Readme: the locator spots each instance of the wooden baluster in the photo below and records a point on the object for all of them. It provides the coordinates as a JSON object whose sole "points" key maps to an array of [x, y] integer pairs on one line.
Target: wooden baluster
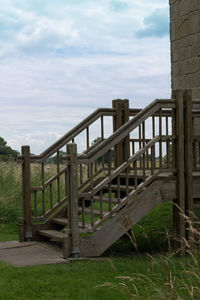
{"points": [[135, 174], [167, 144], [92, 198], [143, 167], [35, 204], [143, 156], [95, 167], [109, 173], [69, 209], [58, 179], [160, 141], [118, 189], [81, 173], [51, 196], [102, 128], [87, 138], [43, 195], [147, 154], [153, 126], [88, 171], [92, 211], [83, 212], [66, 182], [127, 181], [140, 143], [101, 204], [153, 159], [133, 147]]}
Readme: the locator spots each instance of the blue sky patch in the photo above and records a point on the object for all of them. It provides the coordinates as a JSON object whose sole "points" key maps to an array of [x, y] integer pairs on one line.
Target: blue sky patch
{"points": [[156, 24]]}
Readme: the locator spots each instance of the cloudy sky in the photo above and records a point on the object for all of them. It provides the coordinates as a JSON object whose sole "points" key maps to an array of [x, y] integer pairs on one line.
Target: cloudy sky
{"points": [[60, 60]]}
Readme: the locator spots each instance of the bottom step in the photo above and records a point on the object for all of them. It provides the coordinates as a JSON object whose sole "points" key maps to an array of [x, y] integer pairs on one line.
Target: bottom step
{"points": [[53, 234]]}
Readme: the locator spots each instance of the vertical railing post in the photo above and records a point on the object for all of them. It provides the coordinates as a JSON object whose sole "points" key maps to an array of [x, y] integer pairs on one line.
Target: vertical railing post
{"points": [[73, 199], [26, 182], [122, 149], [179, 207], [188, 156]]}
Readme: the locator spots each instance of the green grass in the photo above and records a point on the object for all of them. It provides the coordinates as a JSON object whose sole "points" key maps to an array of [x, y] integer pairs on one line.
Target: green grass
{"points": [[126, 275], [82, 280], [8, 232], [130, 273]]}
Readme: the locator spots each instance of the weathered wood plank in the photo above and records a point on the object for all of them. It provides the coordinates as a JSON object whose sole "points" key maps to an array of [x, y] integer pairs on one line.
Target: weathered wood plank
{"points": [[180, 209], [188, 155], [121, 222], [73, 199], [26, 185]]}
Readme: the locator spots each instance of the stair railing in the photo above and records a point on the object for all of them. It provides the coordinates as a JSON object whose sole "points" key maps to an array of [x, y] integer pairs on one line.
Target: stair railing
{"points": [[150, 155], [98, 161], [45, 175]]}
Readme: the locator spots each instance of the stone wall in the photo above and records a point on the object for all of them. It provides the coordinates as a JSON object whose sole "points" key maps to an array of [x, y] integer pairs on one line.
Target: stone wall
{"points": [[185, 45]]}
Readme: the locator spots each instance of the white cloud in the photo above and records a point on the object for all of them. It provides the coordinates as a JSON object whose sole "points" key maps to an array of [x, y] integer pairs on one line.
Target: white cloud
{"points": [[60, 60]]}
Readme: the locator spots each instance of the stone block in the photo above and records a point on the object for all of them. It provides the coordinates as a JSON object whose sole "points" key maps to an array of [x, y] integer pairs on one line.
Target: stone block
{"points": [[180, 8], [196, 93], [190, 66], [177, 82], [191, 80], [186, 25]]}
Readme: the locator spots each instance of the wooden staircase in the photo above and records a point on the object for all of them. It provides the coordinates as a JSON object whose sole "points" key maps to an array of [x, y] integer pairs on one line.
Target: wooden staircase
{"points": [[95, 197]]}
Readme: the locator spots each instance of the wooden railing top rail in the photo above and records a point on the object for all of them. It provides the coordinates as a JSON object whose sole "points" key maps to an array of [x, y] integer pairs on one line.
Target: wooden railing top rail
{"points": [[71, 134], [124, 130], [93, 117]]}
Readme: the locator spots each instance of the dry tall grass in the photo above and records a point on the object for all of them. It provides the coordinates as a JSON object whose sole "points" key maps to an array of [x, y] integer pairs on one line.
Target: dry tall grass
{"points": [[169, 277]]}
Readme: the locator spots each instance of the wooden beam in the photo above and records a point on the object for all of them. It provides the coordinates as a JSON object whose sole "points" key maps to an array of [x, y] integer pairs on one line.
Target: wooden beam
{"points": [[26, 185], [121, 117], [179, 210], [188, 155], [73, 199]]}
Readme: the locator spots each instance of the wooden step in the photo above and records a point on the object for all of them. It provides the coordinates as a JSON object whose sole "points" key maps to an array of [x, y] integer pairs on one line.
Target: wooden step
{"points": [[53, 234], [61, 221], [87, 211], [105, 199], [121, 187], [64, 222]]}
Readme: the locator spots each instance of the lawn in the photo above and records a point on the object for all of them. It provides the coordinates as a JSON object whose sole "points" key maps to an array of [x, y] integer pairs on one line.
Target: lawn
{"points": [[147, 278], [141, 269], [123, 273]]}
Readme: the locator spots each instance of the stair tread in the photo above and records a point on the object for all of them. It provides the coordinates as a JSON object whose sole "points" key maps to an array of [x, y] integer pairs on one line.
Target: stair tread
{"points": [[54, 234], [105, 199], [121, 187], [61, 221], [64, 221], [96, 212]]}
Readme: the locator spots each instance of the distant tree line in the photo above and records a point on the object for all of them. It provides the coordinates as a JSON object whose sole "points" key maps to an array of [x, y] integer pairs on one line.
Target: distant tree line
{"points": [[6, 152]]}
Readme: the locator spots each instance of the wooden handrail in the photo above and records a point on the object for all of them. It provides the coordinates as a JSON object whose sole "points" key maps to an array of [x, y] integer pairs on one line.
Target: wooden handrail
{"points": [[124, 130], [70, 135], [92, 118]]}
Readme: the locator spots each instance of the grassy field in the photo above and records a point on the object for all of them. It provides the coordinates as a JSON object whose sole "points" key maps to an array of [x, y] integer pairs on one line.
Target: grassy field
{"points": [[144, 268]]}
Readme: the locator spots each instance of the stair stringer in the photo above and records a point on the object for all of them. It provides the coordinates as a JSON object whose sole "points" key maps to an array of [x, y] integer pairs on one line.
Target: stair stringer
{"points": [[132, 213]]}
